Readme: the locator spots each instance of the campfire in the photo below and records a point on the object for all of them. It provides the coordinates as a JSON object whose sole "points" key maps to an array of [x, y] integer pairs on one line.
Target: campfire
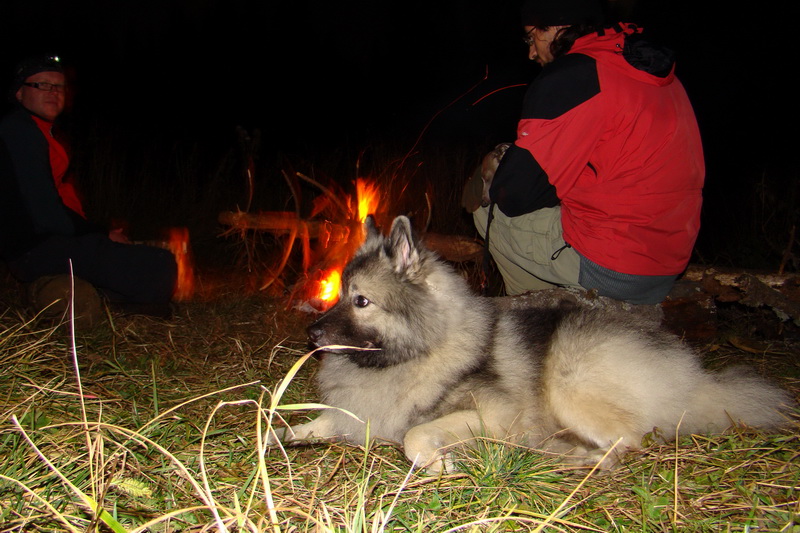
{"points": [[335, 227], [336, 248], [328, 237]]}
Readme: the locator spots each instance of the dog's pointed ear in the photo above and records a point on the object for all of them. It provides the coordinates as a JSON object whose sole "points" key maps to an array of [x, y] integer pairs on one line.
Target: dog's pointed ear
{"points": [[371, 234], [405, 254], [370, 227]]}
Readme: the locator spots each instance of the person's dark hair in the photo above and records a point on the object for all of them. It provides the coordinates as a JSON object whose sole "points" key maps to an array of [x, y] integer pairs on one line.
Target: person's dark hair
{"points": [[564, 39], [581, 17]]}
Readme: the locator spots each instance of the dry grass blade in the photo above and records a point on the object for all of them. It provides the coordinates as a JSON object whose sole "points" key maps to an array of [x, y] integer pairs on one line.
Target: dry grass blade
{"points": [[89, 502], [34, 496]]}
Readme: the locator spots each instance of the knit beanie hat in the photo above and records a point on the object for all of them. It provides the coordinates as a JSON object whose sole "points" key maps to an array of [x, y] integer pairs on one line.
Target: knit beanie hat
{"points": [[33, 65], [546, 13]]}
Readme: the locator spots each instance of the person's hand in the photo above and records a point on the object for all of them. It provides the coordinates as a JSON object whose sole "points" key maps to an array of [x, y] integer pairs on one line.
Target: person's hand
{"points": [[488, 167], [476, 190], [118, 235]]}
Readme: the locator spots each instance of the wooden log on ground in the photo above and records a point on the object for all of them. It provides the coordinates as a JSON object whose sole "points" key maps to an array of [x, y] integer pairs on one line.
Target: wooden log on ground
{"points": [[731, 276], [690, 309], [690, 312], [780, 292], [284, 223], [456, 248]]}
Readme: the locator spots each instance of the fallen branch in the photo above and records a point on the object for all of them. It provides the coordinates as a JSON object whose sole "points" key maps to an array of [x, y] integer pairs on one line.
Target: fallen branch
{"points": [[457, 248], [731, 277], [284, 223], [779, 291]]}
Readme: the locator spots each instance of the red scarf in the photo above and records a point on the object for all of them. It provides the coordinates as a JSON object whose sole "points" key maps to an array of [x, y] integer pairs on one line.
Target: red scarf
{"points": [[59, 162]]}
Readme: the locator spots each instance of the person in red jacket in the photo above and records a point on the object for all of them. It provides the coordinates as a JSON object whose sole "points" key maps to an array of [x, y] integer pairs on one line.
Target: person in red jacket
{"points": [[602, 188], [45, 238]]}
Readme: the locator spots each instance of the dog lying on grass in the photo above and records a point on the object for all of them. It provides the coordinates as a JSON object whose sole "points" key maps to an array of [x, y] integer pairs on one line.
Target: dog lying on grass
{"points": [[410, 350]]}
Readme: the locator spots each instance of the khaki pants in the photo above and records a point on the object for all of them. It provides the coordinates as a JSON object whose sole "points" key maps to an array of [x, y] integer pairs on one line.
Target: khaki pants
{"points": [[523, 248]]}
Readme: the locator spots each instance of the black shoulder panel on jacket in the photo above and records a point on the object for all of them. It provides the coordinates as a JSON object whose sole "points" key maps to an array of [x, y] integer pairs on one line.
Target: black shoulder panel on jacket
{"points": [[647, 57], [564, 84]]}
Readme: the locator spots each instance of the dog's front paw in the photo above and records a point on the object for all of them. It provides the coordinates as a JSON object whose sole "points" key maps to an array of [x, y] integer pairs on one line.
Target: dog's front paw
{"points": [[427, 452], [319, 429], [277, 435], [603, 459]]}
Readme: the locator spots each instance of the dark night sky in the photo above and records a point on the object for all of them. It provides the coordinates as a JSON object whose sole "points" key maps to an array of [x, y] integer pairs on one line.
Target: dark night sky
{"points": [[318, 73], [313, 68], [304, 68]]}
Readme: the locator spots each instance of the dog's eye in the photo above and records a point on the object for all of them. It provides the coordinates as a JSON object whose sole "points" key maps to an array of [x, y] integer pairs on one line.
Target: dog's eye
{"points": [[361, 301]]}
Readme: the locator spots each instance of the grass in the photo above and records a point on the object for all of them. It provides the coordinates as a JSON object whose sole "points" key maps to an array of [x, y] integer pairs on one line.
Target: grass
{"points": [[147, 425]]}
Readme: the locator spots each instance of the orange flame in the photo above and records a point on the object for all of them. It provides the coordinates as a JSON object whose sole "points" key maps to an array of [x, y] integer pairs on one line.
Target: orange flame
{"points": [[368, 198], [329, 286], [179, 246]]}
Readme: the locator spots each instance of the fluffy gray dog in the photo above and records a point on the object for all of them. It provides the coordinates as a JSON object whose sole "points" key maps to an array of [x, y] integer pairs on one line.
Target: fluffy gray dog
{"points": [[410, 350]]}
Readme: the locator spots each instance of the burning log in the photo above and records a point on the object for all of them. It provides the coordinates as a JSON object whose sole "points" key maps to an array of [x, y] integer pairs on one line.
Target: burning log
{"points": [[336, 242], [179, 246], [457, 248], [284, 223]]}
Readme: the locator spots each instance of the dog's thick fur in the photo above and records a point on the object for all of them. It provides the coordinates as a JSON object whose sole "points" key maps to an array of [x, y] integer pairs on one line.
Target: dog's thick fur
{"points": [[433, 366]]}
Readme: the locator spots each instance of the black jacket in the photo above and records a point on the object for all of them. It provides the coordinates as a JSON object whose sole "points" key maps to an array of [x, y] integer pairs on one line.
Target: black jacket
{"points": [[30, 208]]}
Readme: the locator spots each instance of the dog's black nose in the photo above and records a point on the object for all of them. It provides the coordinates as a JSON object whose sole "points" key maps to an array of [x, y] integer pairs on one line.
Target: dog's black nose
{"points": [[314, 332]]}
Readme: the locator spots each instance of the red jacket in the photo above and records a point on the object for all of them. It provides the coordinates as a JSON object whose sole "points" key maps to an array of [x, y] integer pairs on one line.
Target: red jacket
{"points": [[622, 149], [59, 163]]}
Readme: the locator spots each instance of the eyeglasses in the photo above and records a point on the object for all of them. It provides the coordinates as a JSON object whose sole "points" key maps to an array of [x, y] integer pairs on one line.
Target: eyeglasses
{"points": [[44, 86], [529, 39]]}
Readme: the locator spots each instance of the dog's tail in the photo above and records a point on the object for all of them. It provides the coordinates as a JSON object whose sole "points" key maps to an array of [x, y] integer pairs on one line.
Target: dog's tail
{"points": [[736, 395]]}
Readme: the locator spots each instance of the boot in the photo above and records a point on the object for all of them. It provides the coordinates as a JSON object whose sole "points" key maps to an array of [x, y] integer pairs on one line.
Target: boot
{"points": [[51, 296]]}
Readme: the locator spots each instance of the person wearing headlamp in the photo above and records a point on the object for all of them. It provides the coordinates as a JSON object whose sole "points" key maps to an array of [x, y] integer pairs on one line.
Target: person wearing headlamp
{"points": [[45, 237]]}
